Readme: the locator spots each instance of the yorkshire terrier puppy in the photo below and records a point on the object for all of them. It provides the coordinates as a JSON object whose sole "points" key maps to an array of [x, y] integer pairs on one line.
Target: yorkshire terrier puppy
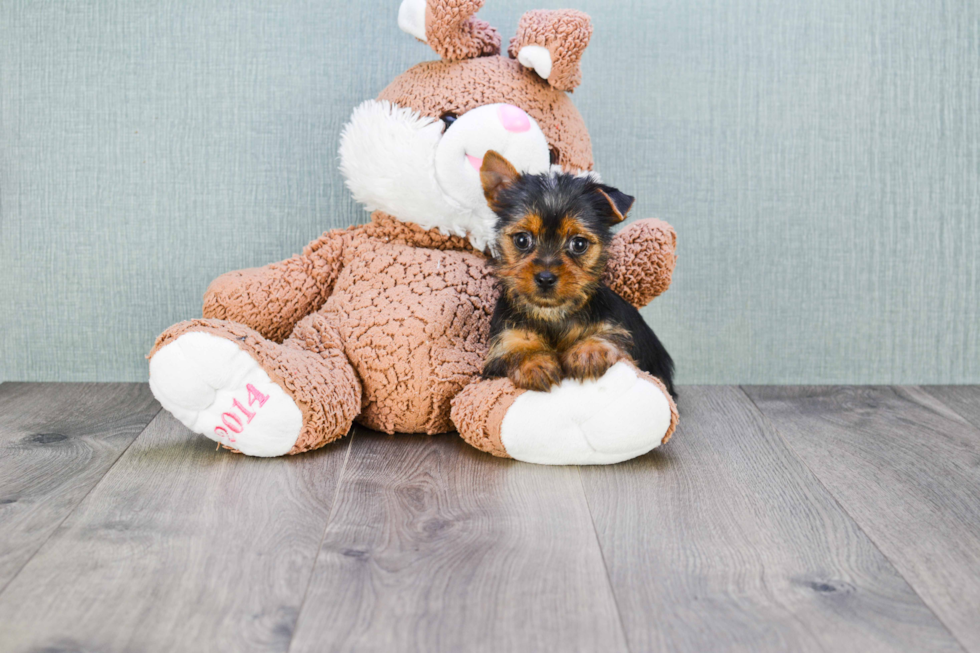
{"points": [[555, 318]]}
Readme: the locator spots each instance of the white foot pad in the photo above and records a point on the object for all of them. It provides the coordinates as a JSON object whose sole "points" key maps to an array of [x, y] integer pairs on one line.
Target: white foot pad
{"points": [[219, 391], [613, 419]]}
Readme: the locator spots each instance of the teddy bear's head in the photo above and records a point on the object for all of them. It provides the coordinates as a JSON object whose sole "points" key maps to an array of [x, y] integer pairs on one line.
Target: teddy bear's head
{"points": [[415, 152]]}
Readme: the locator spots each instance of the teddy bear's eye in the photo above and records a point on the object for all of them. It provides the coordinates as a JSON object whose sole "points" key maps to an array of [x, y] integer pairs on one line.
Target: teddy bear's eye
{"points": [[448, 119], [554, 155]]}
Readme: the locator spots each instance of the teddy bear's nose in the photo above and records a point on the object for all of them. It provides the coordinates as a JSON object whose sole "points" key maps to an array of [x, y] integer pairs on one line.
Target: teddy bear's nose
{"points": [[513, 118]]}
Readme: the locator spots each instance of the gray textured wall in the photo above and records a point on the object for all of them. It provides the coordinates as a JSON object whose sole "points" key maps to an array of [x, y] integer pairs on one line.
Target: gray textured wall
{"points": [[820, 160]]}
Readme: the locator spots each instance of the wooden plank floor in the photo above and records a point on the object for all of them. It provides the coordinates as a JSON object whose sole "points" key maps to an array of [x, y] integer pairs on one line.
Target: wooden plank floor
{"points": [[777, 519], [728, 538], [56, 442], [907, 468]]}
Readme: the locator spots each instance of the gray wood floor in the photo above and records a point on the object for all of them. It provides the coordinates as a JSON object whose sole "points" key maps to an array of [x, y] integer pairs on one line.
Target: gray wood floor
{"points": [[776, 519]]}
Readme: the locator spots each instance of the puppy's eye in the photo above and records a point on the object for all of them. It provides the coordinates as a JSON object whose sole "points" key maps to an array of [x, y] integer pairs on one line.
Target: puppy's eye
{"points": [[448, 119], [522, 241], [578, 245]]}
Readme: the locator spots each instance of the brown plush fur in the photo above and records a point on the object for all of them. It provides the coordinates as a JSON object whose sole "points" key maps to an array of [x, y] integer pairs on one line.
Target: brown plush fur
{"points": [[402, 375], [387, 324], [565, 33], [641, 261], [452, 30]]}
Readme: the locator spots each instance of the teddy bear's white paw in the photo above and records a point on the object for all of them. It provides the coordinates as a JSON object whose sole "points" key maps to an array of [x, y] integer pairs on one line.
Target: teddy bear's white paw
{"points": [[612, 419], [221, 392]]}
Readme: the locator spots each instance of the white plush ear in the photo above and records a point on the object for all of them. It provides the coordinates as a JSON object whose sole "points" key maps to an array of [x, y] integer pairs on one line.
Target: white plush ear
{"points": [[536, 57], [411, 18]]}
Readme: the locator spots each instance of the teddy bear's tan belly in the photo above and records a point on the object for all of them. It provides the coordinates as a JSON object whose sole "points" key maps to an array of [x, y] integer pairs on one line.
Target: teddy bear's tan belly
{"points": [[415, 324]]}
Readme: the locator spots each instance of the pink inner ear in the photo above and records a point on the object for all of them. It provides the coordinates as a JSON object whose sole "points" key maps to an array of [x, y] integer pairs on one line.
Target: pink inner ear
{"points": [[513, 118], [475, 162]]}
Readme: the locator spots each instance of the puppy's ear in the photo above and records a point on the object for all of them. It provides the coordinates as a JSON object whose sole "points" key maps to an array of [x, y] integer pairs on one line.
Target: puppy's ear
{"points": [[496, 174], [619, 202]]}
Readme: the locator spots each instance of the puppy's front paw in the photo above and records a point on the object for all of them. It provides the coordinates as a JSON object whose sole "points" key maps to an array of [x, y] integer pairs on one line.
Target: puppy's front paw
{"points": [[589, 359], [538, 372]]}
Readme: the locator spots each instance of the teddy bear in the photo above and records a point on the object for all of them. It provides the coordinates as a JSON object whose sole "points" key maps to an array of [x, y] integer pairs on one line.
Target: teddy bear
{"points": [[386, 324]]}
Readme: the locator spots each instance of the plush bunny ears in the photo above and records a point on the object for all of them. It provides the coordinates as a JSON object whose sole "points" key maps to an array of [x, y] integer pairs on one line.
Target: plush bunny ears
{"points": [[552, 43], [449, 27], [549, 42]]}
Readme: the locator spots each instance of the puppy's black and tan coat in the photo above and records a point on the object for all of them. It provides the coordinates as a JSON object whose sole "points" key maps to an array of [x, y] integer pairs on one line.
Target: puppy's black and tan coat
{"points": [[555, 319]]}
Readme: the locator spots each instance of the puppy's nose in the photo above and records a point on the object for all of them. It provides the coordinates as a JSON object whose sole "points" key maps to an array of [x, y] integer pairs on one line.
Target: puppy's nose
{"points": [[545, 280]]}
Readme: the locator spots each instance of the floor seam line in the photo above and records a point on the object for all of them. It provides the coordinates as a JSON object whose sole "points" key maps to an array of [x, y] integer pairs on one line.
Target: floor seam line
{"points": [[323, 537], [967, 421], [602, 559], [80, 501], [847, 512]]}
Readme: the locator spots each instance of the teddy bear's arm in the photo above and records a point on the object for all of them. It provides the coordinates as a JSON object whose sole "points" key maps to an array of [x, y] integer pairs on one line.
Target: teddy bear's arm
{"points": [[641, 261], [273, 298]]}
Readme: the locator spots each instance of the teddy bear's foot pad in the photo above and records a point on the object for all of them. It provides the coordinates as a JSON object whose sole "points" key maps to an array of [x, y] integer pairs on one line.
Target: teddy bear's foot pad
{"points": [[617, 417], [216, 389]]}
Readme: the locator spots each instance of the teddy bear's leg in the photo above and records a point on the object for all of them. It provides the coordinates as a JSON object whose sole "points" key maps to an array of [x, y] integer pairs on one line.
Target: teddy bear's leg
{"points": [[228, 383], [624, 414]]}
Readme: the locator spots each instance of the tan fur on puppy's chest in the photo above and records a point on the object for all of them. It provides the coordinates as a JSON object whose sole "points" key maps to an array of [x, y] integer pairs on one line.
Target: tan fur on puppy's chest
{"points": [[414, 321]]}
